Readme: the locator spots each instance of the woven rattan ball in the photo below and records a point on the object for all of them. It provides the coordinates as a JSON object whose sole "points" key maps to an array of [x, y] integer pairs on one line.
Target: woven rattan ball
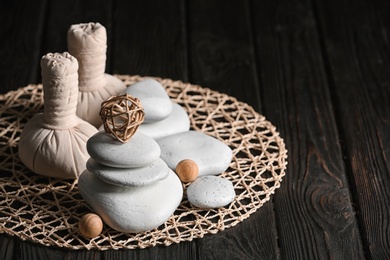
{"points": [[121, 116]]}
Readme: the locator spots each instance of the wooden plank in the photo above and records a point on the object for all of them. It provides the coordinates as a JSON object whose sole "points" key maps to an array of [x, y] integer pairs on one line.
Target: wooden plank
{"points": [[182, 250], [7, 244], [254, 238], [313, 207], [33, 251], [221, 57], [149, 39], [221, 52], [21, 30], [357, 49]]}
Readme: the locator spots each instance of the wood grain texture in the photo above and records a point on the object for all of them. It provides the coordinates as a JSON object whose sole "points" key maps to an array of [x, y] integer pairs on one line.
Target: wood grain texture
{"points": [[6, 247], [21, 32], [183, 250], [254, 238], [358, 56], [313, 206], [221, 51], [149, 39], [32, 251]]}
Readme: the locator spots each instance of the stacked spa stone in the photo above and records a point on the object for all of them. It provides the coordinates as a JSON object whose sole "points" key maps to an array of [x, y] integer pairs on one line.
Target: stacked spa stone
{"points": [[163, 117], [128, 184]]}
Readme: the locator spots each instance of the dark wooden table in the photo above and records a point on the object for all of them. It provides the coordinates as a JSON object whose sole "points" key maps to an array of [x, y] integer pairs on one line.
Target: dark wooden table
{"points": [[318, 70]]}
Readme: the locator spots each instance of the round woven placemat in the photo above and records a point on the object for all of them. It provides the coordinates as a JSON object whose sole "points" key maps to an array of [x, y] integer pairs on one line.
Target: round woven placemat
{"points": [[47, 210]]}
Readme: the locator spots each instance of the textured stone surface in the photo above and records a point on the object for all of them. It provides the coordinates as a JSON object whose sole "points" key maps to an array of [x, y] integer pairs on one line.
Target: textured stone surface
{"points": [[139, 151], [212, 156], [130, 176], [154, 99], [132, 209], [177, 122], [210, 192]]}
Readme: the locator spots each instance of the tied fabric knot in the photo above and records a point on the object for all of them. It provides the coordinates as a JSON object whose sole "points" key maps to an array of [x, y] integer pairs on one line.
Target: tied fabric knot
{"points": [[88, 43]]}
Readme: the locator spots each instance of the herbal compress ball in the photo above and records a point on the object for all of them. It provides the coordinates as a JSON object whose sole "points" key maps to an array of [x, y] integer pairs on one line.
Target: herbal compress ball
{"points": [[53, 143]]}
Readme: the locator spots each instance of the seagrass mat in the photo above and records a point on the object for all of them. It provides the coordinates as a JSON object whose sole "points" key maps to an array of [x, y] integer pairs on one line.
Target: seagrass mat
{"points": [[47, 210]]}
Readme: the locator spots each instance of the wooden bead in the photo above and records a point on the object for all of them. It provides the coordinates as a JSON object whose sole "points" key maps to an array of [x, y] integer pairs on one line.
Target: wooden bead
{"points": [[187, 170], [90, 225]]}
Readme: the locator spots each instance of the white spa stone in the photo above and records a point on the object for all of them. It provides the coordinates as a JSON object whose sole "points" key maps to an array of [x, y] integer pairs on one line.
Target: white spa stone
{"points": [[211, 155], [154, 99], [139, 151], [210, 192], [177, 122], [132, 177], [132, 209]]}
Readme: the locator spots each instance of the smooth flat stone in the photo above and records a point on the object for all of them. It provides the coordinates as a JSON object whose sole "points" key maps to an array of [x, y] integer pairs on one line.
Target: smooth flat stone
{"points": [[212, 156], [130, 176], [177, 122], [154, 99], [139, 151], [210, 192], [132, 209]]}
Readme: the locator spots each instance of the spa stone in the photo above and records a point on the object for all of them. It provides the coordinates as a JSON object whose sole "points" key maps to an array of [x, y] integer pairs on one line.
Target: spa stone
{"points": [[139, 151], [132, 209], [130, 177], [177, 122], [154, 99], [211, 155], [210, 192]]}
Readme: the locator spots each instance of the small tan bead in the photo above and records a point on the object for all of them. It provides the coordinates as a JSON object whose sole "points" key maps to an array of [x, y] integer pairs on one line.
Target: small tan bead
{"points": [[90, 225], [187, 170]]}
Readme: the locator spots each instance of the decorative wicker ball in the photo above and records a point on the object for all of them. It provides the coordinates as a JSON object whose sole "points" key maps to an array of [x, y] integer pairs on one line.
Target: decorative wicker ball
{"points": [[121, 116]]}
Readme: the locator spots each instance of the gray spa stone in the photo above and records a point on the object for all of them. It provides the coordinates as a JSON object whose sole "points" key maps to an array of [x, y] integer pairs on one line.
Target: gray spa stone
{"points": [[177, 122], [132, 209], [211, 155], [154, 99], [139, 151], [130, 176], [210, 192]]}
